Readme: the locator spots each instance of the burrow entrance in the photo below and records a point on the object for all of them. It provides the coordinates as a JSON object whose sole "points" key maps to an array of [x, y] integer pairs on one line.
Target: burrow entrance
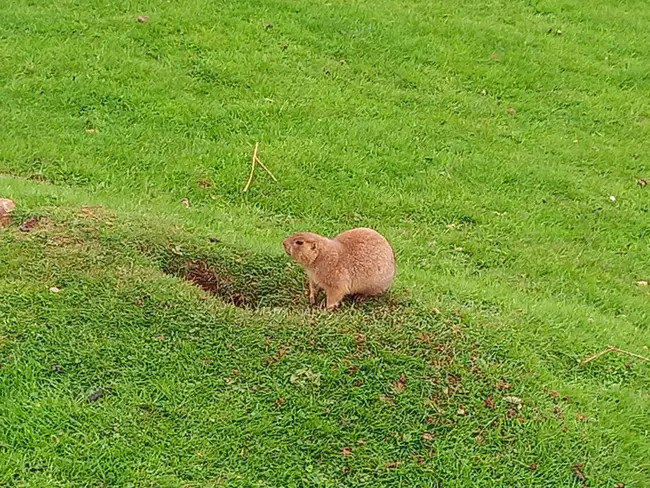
{"points": [[246, 281]]}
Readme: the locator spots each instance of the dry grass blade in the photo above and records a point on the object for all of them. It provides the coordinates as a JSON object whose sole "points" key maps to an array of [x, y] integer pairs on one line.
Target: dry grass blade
{"points": [[250, 177], [614, 349], [595, 356], [259, 161], [642, 358]]}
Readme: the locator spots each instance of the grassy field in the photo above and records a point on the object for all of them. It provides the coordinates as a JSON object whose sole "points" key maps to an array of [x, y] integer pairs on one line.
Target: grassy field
{"points": [[496, 144]]}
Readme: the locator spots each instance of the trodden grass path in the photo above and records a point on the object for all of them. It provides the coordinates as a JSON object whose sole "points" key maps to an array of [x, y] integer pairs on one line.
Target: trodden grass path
{"points": [[498, 145]]}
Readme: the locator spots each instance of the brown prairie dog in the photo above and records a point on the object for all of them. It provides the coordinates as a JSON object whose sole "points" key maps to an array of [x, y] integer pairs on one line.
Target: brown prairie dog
{"points": [[356, 262]]}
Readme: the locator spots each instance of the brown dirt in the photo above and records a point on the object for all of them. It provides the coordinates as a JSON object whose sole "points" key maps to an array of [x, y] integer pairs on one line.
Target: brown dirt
{"points": [[216, 283]]}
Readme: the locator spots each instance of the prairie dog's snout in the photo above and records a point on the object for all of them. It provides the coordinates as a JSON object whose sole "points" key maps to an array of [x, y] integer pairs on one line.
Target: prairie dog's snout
{"points": [[357, 262]]}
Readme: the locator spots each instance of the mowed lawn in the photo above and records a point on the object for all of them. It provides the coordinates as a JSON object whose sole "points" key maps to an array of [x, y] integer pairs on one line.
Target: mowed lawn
{"points": [[501, 146]]}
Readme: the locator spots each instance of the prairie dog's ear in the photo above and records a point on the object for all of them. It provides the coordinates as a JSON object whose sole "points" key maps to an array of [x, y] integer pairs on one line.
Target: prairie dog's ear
{"points": [[313, 246]]}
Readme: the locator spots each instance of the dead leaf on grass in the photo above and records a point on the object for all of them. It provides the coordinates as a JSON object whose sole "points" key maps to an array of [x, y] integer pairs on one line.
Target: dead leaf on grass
{"points": [[513, 400], [360, 340], [511, 111], [346, 451], [280, 353], [54, 289], [533, 467], [304, 376], [185, 202], [428, 436], [578, 470], [400, 384], [424, 338], [503, 385], [462, 411], [353, 369], [387, 399], [642, 283], [642, 182], [143, 19], [489, 403], [92, 131], [393, 464]]}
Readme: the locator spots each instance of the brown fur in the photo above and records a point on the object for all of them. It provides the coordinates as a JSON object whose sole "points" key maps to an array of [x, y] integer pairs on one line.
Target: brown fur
{"points": [[356, 262]]}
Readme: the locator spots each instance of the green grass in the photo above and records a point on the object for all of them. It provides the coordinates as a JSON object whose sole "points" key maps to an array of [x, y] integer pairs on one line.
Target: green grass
{"points": [[395, 115]]}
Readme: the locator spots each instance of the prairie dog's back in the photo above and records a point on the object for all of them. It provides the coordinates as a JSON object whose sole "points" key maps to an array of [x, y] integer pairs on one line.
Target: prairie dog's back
{"points": [[369, 260]]}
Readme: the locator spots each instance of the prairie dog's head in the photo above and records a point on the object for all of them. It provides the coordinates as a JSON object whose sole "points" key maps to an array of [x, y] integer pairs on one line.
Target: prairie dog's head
{"points": [[302, 247]]}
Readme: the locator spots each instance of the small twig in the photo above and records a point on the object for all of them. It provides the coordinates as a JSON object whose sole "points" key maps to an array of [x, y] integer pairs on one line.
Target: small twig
{"points": [[250, 177], [642, 358], [596, 356], [255, 161], [613, 349], [266, 169]]}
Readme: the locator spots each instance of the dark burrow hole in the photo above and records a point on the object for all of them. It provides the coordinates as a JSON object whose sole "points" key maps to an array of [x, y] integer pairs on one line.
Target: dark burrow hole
{"points": [[248, 281]]}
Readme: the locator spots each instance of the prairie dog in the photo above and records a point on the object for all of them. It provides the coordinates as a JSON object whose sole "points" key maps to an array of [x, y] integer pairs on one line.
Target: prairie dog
{"points": [[357, 262]]}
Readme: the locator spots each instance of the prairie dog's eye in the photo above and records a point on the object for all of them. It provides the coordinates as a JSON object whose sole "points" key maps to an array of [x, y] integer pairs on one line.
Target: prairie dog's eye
{"points": [[299, 243]]}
